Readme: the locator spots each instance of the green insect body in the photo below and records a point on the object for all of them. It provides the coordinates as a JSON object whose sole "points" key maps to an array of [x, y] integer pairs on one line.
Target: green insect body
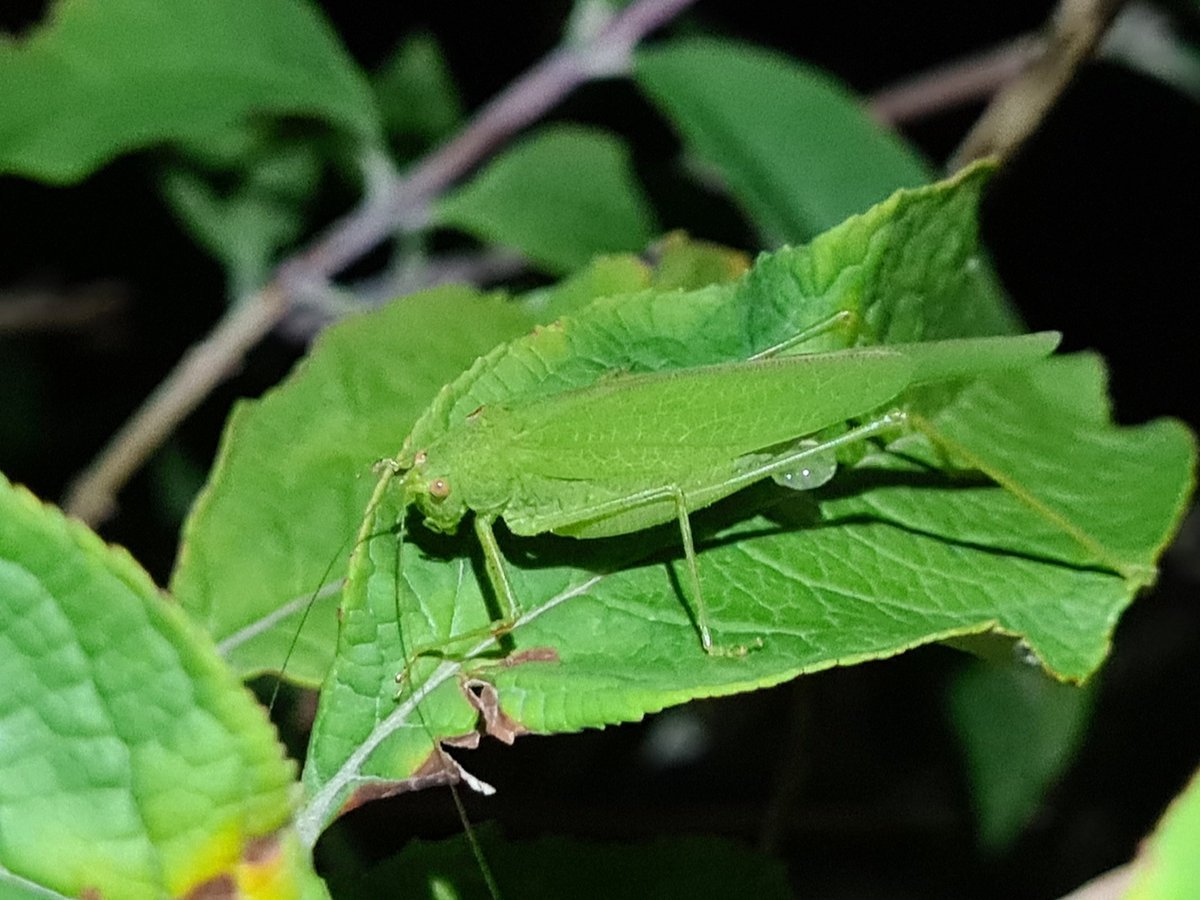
{"points": [[589, 447], [634, 451]]}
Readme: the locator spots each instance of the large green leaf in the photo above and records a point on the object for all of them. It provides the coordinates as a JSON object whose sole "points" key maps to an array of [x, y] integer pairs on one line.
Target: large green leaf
{"points": [[797, 149], [892, 555], [104, 77], [899, 556], [132, 762], [605, 640], [561, 196]]}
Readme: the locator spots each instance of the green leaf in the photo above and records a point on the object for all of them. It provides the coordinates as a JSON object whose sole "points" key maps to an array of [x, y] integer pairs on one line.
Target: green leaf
{"points": [[796, 148], [294, 472], [105, 77], [1056, 463], [1168, 867], [416, 94], [891, 556], [683, 868], [561, 196], [132, 762], [897, 558], [1020, 730]]}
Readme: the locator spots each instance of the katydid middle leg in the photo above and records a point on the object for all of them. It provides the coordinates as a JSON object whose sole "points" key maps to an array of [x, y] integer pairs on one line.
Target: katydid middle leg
{"points": [[497, 575], [785, 461]]}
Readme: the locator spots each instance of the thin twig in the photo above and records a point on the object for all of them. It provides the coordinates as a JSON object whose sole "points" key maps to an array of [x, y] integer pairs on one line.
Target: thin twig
{"points": [[526, 100], [1016, 111], [202, 368], [963, 81], [41, 309], [401, 205]]}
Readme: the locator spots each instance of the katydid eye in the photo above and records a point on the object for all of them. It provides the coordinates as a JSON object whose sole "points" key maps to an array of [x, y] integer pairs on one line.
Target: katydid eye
{"points": [[439, 489]]}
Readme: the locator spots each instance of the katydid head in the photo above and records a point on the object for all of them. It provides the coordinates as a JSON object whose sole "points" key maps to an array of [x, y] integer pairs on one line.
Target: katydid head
{"points": [[430, 487]]}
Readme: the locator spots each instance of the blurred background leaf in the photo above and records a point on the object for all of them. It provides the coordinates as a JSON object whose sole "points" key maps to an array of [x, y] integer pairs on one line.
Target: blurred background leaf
{"points": [[794, 147], [416, 96], [1019, 731], [105, 77], [561, 196]]}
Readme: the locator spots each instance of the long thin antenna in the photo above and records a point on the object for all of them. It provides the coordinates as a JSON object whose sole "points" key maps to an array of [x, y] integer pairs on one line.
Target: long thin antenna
{"points": [[308, 607]]}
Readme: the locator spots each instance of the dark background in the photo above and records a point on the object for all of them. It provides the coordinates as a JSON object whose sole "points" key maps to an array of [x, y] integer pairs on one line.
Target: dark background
{"points": [[1094, 231]]}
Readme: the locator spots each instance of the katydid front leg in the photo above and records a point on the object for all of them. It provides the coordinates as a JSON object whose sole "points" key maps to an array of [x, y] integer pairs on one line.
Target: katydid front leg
{"points": [[493, 564]]}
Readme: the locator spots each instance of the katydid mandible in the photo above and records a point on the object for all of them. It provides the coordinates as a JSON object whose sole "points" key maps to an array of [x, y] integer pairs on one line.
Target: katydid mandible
{"points": [[632, 452]]}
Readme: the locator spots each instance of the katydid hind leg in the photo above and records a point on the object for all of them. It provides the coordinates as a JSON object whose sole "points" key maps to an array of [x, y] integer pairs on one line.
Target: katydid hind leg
{"points": [[784, 464], [689, 552], [701, 609]]}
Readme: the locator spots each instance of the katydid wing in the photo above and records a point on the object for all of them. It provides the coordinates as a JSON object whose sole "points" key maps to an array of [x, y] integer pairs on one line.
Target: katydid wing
{"points": [[633, 452]]}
